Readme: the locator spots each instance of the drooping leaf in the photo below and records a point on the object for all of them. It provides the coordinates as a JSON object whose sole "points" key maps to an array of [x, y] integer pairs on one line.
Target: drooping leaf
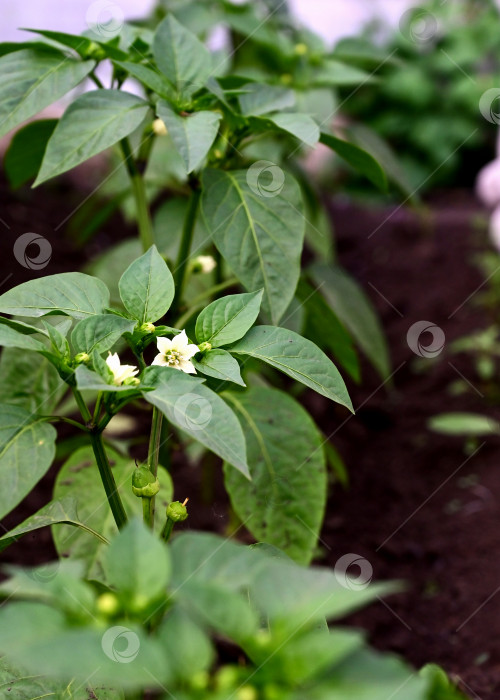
{"points": [[302, 126], [284, 503], [258, 99], [99, 332], [92, 123], [79, 479], [27, 448], [152, 79], [228, 319], [336, 73], [356, 312], [464, 424], [147, 287], [55, 512], [87, 380], [187, 646], [221, 365], [193, 134], [181, 56], [24, 155], [31, 80], [137, 562], [9, 338], [258, 228], [81, 44], [71, 293], [30, 381], [297, 357], [200, 412], [357, 158]]}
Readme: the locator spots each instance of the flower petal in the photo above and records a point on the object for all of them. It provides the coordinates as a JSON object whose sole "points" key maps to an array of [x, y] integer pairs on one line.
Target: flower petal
{"points": [[180, 341], [190, 351], [188, 367], [164, 345], [113, 362], [160, 360]]}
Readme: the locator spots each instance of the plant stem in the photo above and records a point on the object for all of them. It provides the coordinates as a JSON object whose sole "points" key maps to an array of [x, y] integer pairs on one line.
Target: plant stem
{"points": [[82, 406], [185, 247], [97, 408], [153, 456], [108, 480], [63, 419], [143, 215], [167, 530]]}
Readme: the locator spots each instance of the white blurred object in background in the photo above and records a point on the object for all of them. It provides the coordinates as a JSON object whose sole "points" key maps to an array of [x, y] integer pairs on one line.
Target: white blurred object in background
{"points": [[488, 191]]}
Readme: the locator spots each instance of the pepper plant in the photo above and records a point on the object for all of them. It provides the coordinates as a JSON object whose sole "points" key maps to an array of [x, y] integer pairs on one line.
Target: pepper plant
{"points": [[164, 337]]}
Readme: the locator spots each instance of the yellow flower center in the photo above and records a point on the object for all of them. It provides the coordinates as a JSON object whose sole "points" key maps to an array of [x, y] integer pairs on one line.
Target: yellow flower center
{"points": [[173, 358]]}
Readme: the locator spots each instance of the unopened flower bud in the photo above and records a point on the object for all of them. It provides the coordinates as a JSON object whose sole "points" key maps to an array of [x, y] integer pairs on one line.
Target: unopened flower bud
{"points": [[205, 346], [159, 127], [301, 49], [177, 511], [82, 358], [131, 381], [108, 604], [144, 483], [95, 52], [247, 692], [147, 328], [204, 264]]}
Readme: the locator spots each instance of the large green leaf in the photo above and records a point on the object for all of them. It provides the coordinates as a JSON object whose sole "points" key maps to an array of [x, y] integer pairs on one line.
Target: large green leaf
{"points": [[152, 79], [258, 99], [81, 44], [297, 357], [31, 80], [284, 503], [219, 364], [464, 424], [93, 122], [302, 126], [228, 319], [200, 412], [147, 287], [27, 448], [71, 293], [99, 332], [192, 134], [181, 56], [29, 381], [54, 513], [9, 338], [79, 479], [25, 153], [137, 562], [356, 312], [259, 229], [186, 644], [357, 158]]}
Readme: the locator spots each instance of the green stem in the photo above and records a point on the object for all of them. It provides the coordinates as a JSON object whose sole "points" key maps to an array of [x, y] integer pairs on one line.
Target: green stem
{"points": [[167, 530], [185, 247], [153, 457], [98, 406], [143, 215], [63, 419], [82, 406], [108, 480]]}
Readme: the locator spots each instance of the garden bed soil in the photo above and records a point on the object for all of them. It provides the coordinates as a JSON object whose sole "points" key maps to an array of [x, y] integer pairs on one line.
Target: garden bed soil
{"points": [[419, 508]]}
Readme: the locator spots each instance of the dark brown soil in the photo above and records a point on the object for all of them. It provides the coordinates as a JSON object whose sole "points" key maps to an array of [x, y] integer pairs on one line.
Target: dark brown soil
{"points": [[419, 507]]}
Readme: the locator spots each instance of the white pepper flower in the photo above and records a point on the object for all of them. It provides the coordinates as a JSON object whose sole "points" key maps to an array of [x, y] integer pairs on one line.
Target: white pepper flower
{"points": [[204, 264], [120, 372], [176, 353]]}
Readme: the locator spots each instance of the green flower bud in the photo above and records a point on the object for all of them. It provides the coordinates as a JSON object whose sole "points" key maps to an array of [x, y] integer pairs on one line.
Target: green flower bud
{"points": [[247, 692], [200, 680], [301, 49], [131, 381], [82, 358], [144, 483], [95, 52], [177, 511], [227, 677], [147, 328], [204, 346], [107, 604]]}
